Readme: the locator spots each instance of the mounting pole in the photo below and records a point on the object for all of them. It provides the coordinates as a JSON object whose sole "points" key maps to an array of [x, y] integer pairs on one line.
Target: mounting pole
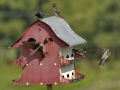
{"points": [[49, 86]]}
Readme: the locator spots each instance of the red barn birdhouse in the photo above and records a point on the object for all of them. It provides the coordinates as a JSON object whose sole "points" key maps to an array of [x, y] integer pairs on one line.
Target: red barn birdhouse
{"points": [[47, 53]]}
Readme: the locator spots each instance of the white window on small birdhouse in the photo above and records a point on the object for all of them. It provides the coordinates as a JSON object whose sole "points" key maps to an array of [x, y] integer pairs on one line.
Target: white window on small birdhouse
{"points": [[67, 72], [66, 52]]}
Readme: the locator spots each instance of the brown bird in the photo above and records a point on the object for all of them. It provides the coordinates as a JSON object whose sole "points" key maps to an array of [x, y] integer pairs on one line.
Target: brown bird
{"points": [[80, 52], [35, 46], [39, 48], [30, 44], [83, 50], [104, 54], [56, 12]]}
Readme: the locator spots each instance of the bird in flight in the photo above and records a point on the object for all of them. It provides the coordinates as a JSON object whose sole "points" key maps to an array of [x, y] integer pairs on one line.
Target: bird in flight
{"points": [[35, 47], [56, 12], [104, 54], [39, 48]]}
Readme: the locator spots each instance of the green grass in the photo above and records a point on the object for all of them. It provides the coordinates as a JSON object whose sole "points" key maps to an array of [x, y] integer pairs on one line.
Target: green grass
{"points": [[96, 78]]}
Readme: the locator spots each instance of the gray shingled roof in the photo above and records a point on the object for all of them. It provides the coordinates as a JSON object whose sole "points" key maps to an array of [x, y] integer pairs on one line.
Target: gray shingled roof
{"points": [[63, 31]]}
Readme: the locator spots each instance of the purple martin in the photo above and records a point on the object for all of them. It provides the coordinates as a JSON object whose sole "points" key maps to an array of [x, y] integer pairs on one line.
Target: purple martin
{"points": [[39, 48], [80, 52], [104, 54], [35, 47]]}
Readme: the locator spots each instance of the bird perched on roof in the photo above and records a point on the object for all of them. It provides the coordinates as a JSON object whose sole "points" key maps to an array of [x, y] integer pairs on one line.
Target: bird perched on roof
{"points": [[39, 15], [104, 54], [56, 12]]}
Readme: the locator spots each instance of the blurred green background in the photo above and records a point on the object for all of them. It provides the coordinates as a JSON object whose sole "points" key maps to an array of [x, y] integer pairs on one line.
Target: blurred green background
{"points": [[97, 21]]}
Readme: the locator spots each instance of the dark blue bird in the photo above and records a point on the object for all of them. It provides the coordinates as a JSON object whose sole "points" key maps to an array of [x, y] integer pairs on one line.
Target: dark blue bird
{"points": [[39, 15]]}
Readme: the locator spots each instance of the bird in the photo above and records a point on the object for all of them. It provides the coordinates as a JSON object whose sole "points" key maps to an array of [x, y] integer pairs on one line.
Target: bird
{"points": [[39, 48], [80, 52], [39, 15], [35, 47], [83, 50], [104, 54], [56, 12], [47, 40]]}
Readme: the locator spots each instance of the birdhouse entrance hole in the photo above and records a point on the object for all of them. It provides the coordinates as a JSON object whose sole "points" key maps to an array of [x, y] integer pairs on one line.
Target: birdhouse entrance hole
{"points": [[31, 39]]}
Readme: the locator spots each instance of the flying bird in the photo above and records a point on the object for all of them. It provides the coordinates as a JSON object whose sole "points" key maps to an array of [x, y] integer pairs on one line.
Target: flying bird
{"points": [[56, 12], [39, 48], [35, 47], [104, 54]]}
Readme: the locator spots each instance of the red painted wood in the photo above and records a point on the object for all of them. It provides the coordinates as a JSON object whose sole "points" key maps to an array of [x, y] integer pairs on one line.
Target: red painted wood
{"points": [[38, 70], [39, 31]]}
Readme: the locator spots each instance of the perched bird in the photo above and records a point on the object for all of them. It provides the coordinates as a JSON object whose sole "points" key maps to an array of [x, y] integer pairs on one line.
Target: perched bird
{"points": [[29, 44], [104, 54], [83, 50], [80, 52], [47, 40], [56, 12], [39, 15]]}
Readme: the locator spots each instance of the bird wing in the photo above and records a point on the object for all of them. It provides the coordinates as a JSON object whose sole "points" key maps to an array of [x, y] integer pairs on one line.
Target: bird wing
{"points": [[104, 57], [106, 54], [42, 51], [30, 44], [33, 52], [101, 52], [101, 62], [39, 48]]}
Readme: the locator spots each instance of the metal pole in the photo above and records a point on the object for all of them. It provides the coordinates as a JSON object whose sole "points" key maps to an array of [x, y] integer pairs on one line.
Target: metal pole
{"points": [[49, 86]]}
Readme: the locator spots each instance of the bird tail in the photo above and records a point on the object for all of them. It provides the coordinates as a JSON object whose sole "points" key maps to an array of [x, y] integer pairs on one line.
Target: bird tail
{"points": [[99, 63], [60, 16]]}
